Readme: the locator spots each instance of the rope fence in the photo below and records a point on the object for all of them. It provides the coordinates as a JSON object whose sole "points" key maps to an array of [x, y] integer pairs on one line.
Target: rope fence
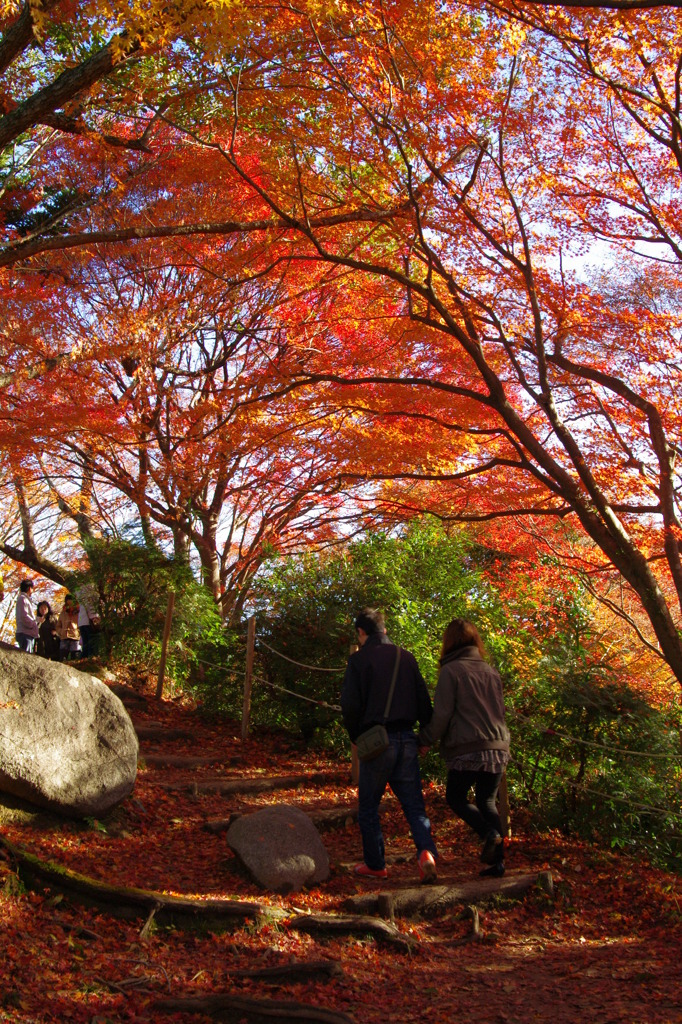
{"points": [[549, 731], [667, 812], [607, 797], [222, 668], [283, 689], [300, 664], [600, 794]]}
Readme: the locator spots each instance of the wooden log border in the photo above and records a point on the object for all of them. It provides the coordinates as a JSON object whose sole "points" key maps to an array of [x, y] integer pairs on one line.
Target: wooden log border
{"points": [[435, 899]]}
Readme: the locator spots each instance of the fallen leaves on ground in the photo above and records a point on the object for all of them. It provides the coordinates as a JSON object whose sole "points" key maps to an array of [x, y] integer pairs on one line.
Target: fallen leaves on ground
{"points": [[604, 949]]}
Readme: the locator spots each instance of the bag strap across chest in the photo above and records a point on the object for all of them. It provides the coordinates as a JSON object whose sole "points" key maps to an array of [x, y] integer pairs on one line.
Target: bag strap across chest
{"points": [[392, 688]]}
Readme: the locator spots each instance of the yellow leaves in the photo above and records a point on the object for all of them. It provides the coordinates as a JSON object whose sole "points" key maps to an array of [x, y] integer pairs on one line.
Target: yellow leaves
{"points": [[513, 36], [39, 19], [120, 46], [9, 8], [150, 23]]}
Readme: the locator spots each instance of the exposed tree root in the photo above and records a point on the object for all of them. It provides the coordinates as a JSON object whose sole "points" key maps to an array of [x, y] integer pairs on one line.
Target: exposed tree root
{"points": [[182, 911], [434, 899], [354, 924], [237, 1008], [259, 785]]}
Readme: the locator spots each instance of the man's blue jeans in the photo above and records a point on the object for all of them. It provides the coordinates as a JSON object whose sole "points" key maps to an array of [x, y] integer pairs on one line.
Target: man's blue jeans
{"points": [[397, 767]]}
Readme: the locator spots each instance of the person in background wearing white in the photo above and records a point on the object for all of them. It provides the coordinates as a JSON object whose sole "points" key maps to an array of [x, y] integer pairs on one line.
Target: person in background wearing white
{"points": [[27, 625], [88, 621]]}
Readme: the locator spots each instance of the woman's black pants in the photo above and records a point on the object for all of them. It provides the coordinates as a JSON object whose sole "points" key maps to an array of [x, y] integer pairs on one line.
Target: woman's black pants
{"points": [[481, 817]]}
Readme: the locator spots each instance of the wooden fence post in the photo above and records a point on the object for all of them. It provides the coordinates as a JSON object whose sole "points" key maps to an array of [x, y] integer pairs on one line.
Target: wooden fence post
{"points": [[248, 677], [164, 644]]}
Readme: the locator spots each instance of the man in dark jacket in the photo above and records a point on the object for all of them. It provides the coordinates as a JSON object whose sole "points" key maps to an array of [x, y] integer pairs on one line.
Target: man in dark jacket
{"points": [[363, 701]]}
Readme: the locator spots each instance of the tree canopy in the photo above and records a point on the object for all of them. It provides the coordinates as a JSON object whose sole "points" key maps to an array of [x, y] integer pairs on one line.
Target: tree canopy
{"points": [[348, 260]]}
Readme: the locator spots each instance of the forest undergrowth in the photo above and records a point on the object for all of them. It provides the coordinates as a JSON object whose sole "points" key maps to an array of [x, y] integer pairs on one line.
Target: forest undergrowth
{"points": [[604, 947]]}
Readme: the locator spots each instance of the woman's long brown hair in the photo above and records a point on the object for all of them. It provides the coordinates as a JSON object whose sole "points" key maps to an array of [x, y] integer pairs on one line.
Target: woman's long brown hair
{"points": [[461, 633]]}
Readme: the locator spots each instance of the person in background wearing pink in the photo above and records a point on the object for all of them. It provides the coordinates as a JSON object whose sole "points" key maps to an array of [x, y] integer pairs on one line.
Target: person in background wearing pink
{"points": [[27, 626]]}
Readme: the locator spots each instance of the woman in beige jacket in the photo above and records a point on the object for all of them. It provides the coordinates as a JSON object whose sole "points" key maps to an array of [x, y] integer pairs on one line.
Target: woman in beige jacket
{"points": [[68, 631]]}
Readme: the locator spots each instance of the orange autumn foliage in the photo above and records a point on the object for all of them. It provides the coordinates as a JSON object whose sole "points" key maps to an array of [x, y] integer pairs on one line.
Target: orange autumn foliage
{"points": [[423, 187]]}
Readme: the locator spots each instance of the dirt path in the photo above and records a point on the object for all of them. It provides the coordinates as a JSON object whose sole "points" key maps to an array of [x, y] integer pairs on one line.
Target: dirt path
{"points": [[603, 949]]}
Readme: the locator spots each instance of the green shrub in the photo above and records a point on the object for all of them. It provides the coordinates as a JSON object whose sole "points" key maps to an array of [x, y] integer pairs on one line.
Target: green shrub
{"points": [[561, 678], [306, 606], [217, 674], [590, 754], [132, 584]]}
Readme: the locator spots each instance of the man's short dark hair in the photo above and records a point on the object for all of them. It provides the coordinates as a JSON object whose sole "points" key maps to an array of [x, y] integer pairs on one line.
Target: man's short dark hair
{"points": [[370, 620], [25, 586]]}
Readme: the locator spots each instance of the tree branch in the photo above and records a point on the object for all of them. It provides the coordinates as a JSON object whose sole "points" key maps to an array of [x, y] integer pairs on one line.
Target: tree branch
{"points": [[21, 251], [64, 88]]}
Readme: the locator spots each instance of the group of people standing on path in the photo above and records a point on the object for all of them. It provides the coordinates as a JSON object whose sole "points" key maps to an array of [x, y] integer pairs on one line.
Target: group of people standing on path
{"points": [[65, 637], [383, 686]]}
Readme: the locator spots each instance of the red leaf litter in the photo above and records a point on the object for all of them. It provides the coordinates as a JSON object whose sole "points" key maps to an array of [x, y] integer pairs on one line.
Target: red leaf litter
{"points": [[604, 949]]}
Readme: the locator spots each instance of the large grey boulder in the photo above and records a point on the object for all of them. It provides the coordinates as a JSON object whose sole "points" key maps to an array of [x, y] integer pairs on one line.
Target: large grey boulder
{"points": [[66, 741], [280, 847]]}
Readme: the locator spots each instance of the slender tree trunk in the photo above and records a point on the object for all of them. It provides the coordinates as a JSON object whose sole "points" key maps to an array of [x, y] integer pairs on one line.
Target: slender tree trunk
{"points": [[181, 545], [205, 544]]}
